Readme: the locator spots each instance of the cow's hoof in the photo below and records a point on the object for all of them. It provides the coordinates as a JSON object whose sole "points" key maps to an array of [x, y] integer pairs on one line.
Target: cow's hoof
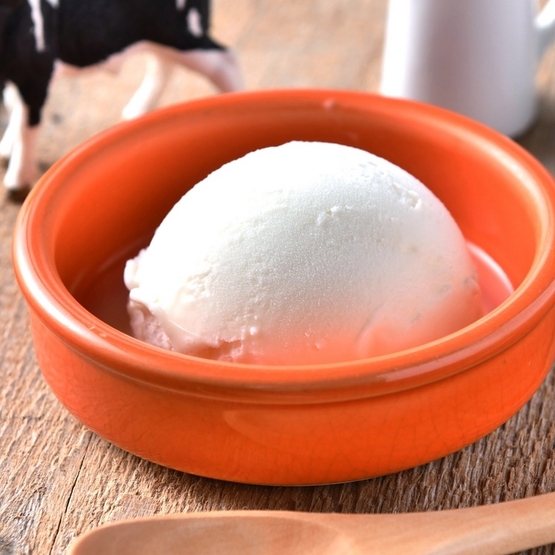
{"points": [[18, 195]]}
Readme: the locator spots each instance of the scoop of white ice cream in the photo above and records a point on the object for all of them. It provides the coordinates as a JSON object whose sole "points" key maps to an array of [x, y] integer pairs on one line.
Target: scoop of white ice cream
{"points": [[303, 253]]}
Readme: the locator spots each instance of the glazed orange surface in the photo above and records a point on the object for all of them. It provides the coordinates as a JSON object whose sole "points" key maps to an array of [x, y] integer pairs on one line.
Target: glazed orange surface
{"points": [[298, 424]]}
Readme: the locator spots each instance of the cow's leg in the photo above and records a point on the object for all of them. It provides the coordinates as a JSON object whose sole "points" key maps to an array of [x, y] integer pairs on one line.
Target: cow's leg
{"points": [[22, 169], [147, 96], [14, 107], [219, 66]]}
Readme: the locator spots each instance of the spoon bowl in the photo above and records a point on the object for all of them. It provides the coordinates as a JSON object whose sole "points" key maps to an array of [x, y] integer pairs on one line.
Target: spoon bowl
{"points": [[248, 533]]}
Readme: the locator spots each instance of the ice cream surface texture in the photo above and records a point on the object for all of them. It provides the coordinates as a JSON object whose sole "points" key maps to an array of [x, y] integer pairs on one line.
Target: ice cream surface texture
{"points": [[303, 253]]}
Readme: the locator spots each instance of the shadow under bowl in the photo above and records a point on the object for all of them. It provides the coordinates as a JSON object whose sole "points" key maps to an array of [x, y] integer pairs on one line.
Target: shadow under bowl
{"points": [[283, 425]]}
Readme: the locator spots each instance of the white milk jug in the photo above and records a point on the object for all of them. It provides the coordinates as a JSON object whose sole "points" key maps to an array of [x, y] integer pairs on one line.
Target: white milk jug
{"points": [[476, 57]]}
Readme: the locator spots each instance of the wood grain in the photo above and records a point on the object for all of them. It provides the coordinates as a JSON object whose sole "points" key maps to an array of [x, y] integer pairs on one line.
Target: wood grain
{"points": [[58, 479]]}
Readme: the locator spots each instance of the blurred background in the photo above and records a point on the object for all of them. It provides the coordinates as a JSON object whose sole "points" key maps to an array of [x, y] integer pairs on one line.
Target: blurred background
{"points": [[313, 43]]}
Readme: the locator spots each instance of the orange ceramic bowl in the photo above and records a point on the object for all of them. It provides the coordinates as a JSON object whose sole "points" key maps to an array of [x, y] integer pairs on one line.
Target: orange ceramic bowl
{"points": [[283, 425]]}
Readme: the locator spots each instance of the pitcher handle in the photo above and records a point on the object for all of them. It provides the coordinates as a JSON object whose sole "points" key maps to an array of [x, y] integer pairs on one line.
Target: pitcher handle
{"points": [[545, 25]]}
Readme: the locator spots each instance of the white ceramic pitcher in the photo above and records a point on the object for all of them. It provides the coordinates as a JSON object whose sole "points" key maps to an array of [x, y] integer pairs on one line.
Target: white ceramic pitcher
{"points": [[476, 57]]}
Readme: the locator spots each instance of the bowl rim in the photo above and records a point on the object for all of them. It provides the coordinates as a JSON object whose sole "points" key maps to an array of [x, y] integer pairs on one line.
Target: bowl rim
{"points": [[117, 352]]}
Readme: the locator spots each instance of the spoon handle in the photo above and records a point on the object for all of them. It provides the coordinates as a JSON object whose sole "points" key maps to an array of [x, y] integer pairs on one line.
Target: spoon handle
{"points": [[496, 529]]}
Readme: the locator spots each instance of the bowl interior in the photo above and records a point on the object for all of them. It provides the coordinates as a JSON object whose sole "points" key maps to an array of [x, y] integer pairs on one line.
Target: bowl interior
{"points": [[111, 194]]}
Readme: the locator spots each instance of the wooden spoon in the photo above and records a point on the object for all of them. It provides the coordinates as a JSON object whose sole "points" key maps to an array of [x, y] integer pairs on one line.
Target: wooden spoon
{"points": [[490, 529]]}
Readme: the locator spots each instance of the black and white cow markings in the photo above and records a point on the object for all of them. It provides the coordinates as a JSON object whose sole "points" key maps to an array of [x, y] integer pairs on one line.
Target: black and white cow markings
{"points": [[40, 39]]}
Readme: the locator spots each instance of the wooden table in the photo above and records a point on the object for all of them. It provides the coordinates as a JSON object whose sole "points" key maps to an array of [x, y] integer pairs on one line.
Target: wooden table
{"points": [[58, 479]]}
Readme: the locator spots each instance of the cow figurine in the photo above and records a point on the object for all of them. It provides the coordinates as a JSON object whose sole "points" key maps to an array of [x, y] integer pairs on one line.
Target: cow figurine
{"points": [[41, 38]]}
